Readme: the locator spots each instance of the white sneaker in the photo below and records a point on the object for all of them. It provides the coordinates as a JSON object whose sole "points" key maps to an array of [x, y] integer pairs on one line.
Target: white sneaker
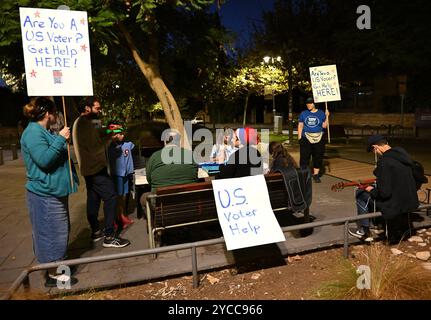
{"points": [[369, 239], [52, 281]]}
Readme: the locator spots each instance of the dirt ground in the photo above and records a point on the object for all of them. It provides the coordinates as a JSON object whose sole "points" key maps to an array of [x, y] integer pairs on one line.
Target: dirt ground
{"points": [[294, 280], [300, 277]]}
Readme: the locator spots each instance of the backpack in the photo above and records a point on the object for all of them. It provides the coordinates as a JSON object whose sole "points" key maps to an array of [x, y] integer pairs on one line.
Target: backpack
{"points": [[298, 186], [418, 174]]}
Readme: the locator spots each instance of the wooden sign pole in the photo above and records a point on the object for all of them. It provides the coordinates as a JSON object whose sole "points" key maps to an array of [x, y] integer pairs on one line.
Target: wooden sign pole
{"points": [[327, 123], [68, 144]]}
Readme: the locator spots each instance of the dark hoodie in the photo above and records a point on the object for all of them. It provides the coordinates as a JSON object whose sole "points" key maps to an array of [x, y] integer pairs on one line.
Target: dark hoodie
{"points": [[244, 162], [396, 188]]}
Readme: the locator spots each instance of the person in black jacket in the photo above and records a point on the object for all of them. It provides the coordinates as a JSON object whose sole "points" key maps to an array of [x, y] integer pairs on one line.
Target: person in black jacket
{"points": [[394, 193], [246, 161]]}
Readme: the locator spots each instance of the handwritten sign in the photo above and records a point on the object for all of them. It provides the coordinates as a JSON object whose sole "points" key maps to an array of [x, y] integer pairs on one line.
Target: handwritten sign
{"points": [[324, 81], [56, 52], [245, 212]]}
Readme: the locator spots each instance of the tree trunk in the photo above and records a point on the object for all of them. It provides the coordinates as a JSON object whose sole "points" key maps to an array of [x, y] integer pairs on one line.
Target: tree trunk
{"points": [[245, 110], [151, 73]]}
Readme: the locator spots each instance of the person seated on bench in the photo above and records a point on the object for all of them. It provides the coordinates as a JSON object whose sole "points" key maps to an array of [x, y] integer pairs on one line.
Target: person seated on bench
{"points": [[170, 166], [297, 181], [280, 157], [394, 195], [246, 161], [224, 146]]}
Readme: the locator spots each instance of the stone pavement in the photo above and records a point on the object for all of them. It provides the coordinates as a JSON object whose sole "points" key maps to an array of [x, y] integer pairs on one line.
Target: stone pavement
{"points": [[16, 242]]}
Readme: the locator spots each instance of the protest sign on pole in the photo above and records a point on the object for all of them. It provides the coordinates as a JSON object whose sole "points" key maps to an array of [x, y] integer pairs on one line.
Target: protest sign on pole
{"points": [[56, 55], [245, 212], [324, 82], [56, 52]]}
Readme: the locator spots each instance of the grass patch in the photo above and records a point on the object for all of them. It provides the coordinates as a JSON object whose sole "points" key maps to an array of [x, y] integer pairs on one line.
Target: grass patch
{"points": [[281, 137], [392, 278]]}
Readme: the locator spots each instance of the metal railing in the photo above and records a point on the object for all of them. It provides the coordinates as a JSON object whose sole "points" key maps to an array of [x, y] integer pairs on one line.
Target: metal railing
{"points": [[23, 278]]}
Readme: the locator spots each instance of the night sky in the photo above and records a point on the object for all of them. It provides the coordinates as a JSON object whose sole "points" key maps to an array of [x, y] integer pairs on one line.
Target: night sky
{"points": [[238, 16]]}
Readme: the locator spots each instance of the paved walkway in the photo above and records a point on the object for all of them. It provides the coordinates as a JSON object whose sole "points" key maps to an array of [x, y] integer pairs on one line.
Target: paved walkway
{"points": [[16, 249]]}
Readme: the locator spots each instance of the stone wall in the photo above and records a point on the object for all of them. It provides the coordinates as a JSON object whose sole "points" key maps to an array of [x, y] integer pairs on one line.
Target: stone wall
{"points": [[371, 119], [8, 135], [360, 119]]}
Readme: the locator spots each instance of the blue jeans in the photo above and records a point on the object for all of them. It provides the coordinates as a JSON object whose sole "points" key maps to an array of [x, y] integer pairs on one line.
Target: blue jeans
{"points": [[364, 204], [49, 218], [101, 187], [121, 185]]}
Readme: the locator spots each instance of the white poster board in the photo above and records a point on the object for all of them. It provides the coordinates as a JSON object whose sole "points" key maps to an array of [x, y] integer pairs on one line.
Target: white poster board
{"points": [[56, 52], [245, 212], [324, 81]]}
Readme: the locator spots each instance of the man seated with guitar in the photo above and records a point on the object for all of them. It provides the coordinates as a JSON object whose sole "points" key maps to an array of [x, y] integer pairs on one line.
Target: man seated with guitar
{"points": [[393, 192]]}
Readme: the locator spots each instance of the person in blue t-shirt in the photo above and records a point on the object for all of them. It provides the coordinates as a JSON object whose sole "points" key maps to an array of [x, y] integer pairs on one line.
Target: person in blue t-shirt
{"points": [[310, 136], [121, 167]]}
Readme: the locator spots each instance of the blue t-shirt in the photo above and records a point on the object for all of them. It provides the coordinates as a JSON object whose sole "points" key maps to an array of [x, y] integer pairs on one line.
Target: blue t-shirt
{"points": [[120, 158], [312, 121]]}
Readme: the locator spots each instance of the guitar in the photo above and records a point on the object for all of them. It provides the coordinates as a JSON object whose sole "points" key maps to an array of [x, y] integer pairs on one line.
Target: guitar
{"points": [[362, 184]]}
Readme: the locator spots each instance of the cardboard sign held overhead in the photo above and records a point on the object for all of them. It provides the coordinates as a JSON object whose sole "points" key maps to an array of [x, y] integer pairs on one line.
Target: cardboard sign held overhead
{"points": [[56, 52], [245, 212], [324, 82]]}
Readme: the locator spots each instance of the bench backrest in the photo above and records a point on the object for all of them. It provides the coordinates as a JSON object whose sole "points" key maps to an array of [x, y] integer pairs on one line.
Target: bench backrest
{"points": [[338, 131], [181, 204]]}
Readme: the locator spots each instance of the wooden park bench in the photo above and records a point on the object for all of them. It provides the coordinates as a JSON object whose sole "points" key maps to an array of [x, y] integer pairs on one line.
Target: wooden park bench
{"points": [[339, 132], [190, 204]]}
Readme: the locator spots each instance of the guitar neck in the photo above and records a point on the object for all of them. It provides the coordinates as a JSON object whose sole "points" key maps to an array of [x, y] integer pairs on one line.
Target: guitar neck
{"points": [[359, 183]]}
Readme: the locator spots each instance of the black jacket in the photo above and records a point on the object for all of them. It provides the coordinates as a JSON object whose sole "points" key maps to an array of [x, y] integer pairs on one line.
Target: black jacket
{"points": [[396, 188], [241, 163]]}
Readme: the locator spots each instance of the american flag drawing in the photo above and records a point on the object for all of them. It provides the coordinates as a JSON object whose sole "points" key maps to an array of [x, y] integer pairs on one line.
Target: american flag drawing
{"points": [[58, 76]]}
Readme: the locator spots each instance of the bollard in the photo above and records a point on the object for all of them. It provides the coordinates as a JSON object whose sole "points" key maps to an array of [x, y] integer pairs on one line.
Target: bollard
{"points": [[1, 156], [14, 151]]}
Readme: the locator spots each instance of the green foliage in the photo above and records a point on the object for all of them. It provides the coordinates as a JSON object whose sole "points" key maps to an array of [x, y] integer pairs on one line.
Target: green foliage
{"points": [[189, 49], [254, 79], [280, 137]]}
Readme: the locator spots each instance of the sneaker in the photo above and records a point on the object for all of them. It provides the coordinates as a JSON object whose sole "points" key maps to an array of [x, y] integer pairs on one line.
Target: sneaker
{"points": [[369, 239], [316, 178], [73, 270], [115, 242], [96, 236], [51, 281], [357, 232], [377, 230]]}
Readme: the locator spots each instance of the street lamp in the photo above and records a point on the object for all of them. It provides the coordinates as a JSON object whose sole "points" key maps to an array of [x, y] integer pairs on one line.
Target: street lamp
{"points": [[271, 60], [290, 84]]}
